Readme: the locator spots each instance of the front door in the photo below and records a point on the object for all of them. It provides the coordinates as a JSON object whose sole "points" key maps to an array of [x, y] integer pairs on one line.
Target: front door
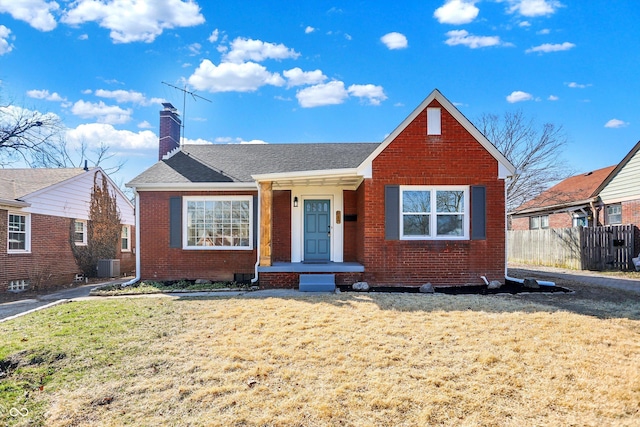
{"points": [[317, 230]]}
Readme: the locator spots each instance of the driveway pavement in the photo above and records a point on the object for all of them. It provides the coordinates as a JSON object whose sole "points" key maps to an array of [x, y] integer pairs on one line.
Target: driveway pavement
{"points": [[582, 276], [14, 309]]}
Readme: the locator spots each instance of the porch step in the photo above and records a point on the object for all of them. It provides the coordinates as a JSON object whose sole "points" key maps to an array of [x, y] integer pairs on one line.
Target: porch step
{"points": [[317, 282]]}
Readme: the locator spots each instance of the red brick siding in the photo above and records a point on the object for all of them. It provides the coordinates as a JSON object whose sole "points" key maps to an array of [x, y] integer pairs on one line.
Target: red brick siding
{"points": [[453, 158], [160, 262], [520, 223], [281, 233], [631, 212], [50, 264], [292, 280], [350, 207], [556, 220]]}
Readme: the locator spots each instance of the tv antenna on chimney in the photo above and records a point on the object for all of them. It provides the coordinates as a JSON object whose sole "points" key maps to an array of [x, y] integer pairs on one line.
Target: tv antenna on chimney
{"points": [[184, 103]]}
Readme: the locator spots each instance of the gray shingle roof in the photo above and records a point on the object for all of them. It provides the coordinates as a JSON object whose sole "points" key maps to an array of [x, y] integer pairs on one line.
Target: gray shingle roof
{"points": [[237, 162], [17, 183]]}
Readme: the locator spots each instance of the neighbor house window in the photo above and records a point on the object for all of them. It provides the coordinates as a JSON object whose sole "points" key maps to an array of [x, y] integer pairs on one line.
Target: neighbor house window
{"points": [[219, 222], [434, 212], [580, 221], [19, 233], [80, 232], [125, 239], [536, 222], [614, 214]]}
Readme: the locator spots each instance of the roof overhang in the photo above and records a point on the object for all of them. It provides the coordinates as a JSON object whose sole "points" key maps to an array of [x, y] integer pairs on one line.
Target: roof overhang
{"points": [[557, 208], [191, 186], [13, 203], [347, 178]]}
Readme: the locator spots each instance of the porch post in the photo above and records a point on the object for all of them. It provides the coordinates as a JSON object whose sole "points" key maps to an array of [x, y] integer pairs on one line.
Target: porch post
{"points": [[266, 203]]}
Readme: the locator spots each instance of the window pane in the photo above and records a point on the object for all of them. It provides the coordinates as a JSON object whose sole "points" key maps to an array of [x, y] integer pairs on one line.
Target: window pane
{"points": [[416, 201], [544, 221], [224, 223], [416, 225], [449, 201], [534, 222], [450, 225], [17, 235]]}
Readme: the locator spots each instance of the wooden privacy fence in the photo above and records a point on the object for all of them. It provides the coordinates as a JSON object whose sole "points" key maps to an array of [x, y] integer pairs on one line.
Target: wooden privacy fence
{"points": [[580, 248]]}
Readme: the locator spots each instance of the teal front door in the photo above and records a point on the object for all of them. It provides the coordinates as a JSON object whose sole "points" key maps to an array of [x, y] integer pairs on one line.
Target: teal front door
{"points": [[317, 230]]}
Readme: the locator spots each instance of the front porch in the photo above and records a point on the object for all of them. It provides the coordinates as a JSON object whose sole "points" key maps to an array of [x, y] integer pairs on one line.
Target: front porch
{"points": [[287, 274]]}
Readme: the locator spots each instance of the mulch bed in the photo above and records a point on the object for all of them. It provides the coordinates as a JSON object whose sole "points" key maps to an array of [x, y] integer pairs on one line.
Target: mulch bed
{"points": [[510, 287]]}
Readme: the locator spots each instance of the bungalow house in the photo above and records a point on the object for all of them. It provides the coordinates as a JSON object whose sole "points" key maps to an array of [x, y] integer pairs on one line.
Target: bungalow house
{"points": [[427, 204], [43, 212], [607, 196]]}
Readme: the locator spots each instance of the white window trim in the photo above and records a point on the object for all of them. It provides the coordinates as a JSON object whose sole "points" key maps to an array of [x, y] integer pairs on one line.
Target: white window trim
{"points": [[27, 225], [433, 214], [128, 248], [84, 232], [185, 218]]}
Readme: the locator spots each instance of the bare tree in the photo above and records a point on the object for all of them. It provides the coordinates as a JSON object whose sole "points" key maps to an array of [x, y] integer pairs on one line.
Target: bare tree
{"points": [[37, 140], [25, 134], [534, 150]]}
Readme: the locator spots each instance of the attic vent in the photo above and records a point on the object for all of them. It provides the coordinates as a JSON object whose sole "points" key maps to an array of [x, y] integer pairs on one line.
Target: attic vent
{"points": [[434, 123], [588, 173]]}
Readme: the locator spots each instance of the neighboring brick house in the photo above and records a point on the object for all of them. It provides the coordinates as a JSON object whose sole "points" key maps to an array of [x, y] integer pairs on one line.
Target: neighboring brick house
{"points": [[607, 196], [570, 203], [41, 211], [425, 205]]}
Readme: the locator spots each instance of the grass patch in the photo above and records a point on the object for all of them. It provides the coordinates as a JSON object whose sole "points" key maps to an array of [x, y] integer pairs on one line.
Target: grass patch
{"points": [[153, 287], [322, 360]]}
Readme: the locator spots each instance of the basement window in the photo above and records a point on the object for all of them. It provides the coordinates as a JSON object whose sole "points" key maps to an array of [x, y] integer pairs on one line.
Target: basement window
{"points": [[19, 285]]}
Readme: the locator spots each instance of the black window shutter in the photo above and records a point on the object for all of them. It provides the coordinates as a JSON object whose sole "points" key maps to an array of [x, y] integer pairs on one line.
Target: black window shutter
{"points": [[175, 222], [478, 212], [392, 212], [255, 221]]}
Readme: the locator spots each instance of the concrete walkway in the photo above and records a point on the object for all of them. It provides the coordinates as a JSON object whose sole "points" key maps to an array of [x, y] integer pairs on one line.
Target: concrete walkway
{"points": [[11, 310]]}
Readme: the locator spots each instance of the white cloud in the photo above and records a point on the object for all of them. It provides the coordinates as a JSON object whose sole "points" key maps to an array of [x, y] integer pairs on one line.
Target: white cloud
{"points": [[131, 96], [194, 48], [230, 140], [533, 8], [5, 44], [44, 94], [575, 85], [456, 12], [309, 30], [331, 93], [297, 77], [93, 134], [37, 13], [144, 22], [256, 50], [109, 114], [524, 24], [519, 96], [548, 47], [394, 40], [544, 32], [462, 37], [553, 98], [213, 37], [374, 94], [83, 37], [145, 125], [615, 123], [232, 77]]}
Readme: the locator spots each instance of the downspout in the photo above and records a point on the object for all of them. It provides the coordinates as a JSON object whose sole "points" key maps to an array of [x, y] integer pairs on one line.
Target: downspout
{"points": [[137, 247], [255, 276]]}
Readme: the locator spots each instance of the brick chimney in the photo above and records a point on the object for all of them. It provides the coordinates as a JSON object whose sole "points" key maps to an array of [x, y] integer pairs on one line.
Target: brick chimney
{"points": [[169, 130]]}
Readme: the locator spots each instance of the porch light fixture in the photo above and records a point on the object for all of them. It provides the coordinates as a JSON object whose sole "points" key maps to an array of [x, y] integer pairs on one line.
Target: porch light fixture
{"points": [[295, 202]]}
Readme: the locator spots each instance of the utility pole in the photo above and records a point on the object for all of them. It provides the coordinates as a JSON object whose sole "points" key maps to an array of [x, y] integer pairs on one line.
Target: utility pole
{"points": [[184, 103]]}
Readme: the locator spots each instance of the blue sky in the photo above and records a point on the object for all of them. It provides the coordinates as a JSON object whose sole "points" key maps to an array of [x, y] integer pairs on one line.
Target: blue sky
{"points": [[339, 71]]}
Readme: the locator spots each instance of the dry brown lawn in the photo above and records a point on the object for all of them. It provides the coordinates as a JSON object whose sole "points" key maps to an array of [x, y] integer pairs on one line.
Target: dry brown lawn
{"points": [[334, 360]]}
